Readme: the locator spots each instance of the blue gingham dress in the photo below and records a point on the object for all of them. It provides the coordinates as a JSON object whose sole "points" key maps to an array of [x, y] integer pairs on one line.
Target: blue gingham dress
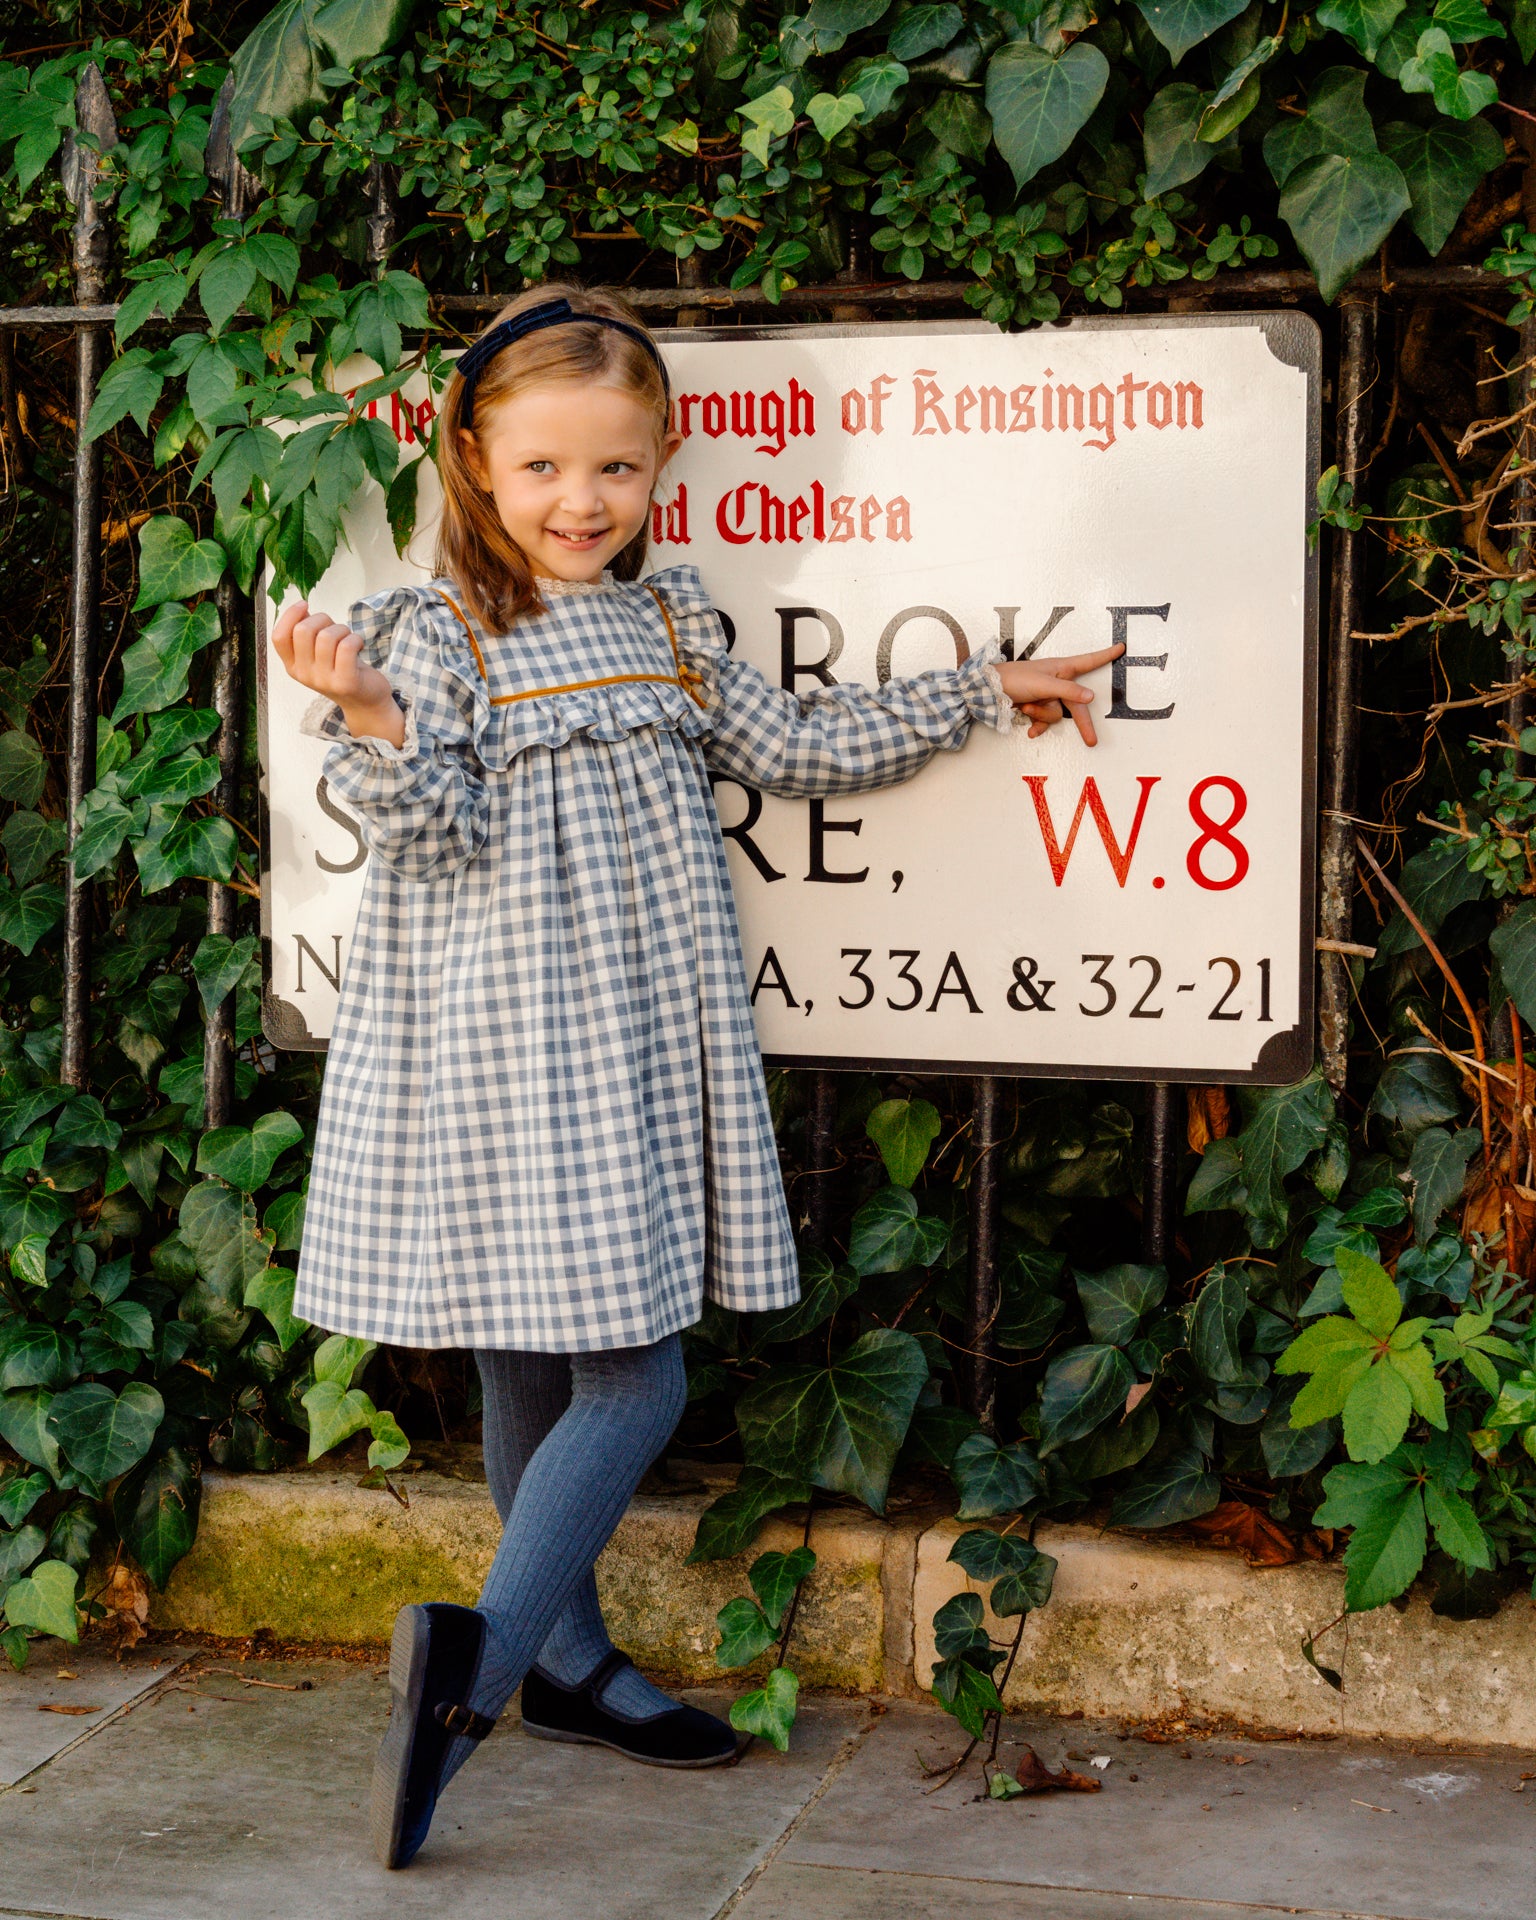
{"points": [[544, 1123]]}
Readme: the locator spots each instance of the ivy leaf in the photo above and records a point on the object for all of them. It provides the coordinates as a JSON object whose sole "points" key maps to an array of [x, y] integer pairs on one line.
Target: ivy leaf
{"points": [[1337, 120], [17, 1552], [958, 122], [877, 81], [45, 1601], [26, 916], [1022, 1574], [1438, 880], [1040, 102], [924, 29], [338, 1358], [1283, 1125], [729, 1525], [24, 1428], [1215, 1324], [1364, 22], [966, 1691], [1082, 1387], [389, 1447], [1175, 1486], [830, 114], [823, 1289], [1385, 1551], [774, 1578], [1438, 1169], [1433, 69], [1514, 947], [245, 1156], [270, 1293], [23, 768], [745, 1633], [35, 1354], [884, 1238], [103, 1433], [1182, 24], [1115, 1300], [839, 1426], [1289, 1450], [30, 842], [200, 849], [769, 1710], [335, 1414], [156, 1508], [173, 563], [991, 1479], [19, 1494], [904, 1130], [219, 1226], [957, 1628], [154, 667], [1174, 153], [1238, 95]]}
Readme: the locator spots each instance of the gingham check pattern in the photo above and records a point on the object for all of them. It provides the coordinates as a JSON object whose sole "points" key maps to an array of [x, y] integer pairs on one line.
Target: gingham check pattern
{"points": [[544, 1122]]}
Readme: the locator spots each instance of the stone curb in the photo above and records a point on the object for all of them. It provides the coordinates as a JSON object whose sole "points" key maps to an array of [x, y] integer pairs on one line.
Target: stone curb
{"points": [[1137, 1628]]}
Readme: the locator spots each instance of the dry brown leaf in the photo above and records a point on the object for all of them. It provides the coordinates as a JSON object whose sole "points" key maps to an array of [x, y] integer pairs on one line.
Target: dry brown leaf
{"points": [[1208, 1116], [1034, 1776], [53, 1709], [1250, 1530], [126, 1599]]}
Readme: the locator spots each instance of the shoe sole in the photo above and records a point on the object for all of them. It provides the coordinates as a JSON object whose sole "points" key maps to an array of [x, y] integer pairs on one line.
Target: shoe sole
{"points": [[391, 1767], [640, 1759]]}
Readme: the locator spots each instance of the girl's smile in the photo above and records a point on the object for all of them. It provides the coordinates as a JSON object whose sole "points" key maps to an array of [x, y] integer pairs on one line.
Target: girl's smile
{"points": [[571, 468]]}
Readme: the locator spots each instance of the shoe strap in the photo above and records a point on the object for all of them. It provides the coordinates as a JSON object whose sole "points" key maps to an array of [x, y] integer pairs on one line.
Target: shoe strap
{"points": [[462, 1720], [604, 1671]]}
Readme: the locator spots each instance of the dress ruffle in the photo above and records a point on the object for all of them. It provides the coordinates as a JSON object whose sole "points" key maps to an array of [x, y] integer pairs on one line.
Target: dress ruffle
{"points": [[502, 731]]}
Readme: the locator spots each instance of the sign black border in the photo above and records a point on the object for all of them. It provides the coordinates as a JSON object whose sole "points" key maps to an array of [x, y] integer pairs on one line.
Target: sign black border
{"points": [[1295, 339]]}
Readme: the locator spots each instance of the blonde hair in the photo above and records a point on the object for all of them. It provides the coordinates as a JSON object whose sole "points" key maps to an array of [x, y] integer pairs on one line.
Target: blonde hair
{"points": [[473, 548]]}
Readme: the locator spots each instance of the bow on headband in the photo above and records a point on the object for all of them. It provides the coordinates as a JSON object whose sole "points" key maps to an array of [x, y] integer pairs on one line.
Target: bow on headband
{"points": [[552, 313]]}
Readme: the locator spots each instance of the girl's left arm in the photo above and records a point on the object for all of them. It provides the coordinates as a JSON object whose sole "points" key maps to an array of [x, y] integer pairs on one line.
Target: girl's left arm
{"points": [[845, 739]]}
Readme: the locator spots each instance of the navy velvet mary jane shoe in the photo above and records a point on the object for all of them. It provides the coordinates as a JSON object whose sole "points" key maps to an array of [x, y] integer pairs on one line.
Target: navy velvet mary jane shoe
{"points": [[433, 1659], [682, 1737]]}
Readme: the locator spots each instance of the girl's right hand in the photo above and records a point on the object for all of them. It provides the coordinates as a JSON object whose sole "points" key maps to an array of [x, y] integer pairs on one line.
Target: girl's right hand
{"points": [[325, 656]]}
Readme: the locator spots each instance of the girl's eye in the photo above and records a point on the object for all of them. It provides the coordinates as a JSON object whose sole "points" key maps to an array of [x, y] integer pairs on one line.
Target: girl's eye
{"points": [[539, 466], [619, 466]]}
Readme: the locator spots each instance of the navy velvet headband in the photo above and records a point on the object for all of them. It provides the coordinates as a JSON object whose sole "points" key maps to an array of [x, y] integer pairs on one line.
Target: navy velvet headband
{"points": [[553, 313]]}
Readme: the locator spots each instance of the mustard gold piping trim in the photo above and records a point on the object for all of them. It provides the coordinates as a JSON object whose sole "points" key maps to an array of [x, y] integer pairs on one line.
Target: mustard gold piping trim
{"points": [[688, 678]]}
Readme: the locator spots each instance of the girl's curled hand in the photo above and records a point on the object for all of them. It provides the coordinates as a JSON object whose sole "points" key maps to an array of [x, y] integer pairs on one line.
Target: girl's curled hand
{"points": [[326, 656], [1047, 690]]}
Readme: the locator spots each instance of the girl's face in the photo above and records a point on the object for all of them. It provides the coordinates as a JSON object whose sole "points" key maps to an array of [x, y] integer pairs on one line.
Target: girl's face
{"points": [[570, 467]]}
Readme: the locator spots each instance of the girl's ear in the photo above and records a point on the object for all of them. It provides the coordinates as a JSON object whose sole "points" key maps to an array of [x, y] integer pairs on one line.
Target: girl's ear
{"points": [[470, 447], [669, 446]]}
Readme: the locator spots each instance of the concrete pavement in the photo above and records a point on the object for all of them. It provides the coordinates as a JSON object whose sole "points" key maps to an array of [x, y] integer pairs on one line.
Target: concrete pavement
{"points": [[189, 1794]]}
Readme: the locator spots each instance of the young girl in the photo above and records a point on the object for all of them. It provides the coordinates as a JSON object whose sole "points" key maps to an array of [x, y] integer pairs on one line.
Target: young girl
{"points": [[544, 1133]]}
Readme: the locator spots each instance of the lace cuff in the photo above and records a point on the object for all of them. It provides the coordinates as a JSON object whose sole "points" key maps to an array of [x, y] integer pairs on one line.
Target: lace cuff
{"points": [[324, 720]]}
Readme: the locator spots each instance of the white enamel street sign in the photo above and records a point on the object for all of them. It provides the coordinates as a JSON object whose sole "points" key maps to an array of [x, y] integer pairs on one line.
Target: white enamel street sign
{"points": [[877, 500]]}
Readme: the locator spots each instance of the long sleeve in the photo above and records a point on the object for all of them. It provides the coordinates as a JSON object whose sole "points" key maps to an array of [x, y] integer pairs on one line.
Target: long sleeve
{"points": [[423, 804], [846, 739]]}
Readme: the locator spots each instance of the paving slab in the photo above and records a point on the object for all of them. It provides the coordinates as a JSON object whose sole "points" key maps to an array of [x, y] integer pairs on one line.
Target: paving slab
{"points": [[64, 1693], [219, 1801], [792, 1892], [1362, 1829]]}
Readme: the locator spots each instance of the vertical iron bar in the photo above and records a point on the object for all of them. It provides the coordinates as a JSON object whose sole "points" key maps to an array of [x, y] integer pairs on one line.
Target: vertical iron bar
{"points": [[219, 1025], [1356, 374], [821, 1137], [1160, 1175], [240, 192], [82, 168], [985, 1290], [381, 219]]}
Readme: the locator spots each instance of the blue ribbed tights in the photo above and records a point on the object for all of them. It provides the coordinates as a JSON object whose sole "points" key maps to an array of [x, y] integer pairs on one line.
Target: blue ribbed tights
{"points": [[567, 1441]]}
